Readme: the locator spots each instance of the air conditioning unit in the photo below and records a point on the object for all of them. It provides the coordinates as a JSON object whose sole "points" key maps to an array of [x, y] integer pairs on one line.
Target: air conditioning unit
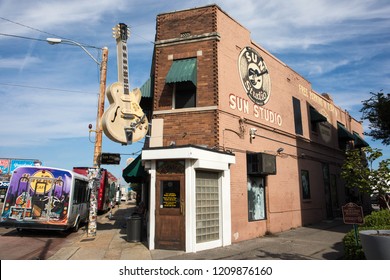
{"points": [[261, 164]]}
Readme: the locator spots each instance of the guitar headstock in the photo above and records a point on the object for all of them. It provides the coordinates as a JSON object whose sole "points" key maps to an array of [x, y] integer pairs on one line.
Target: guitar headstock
{"points": [[121, 32]]}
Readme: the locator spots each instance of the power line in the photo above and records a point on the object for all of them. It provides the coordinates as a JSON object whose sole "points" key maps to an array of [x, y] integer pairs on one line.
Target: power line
{"points": [[44, 40], [29, 27], [51, 34], [41, 31], [44, 88], [21, 37]]}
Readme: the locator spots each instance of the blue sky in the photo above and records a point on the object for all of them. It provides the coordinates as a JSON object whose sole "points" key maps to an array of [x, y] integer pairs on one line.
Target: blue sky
{"points": [[49, 93]]}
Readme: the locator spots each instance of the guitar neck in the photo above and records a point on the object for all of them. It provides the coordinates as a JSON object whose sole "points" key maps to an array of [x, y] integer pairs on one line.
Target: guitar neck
{"points": [[123, 68]]}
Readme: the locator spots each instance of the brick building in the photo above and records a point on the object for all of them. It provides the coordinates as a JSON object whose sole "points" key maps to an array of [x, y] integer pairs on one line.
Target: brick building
{"points": [[240, 144]]}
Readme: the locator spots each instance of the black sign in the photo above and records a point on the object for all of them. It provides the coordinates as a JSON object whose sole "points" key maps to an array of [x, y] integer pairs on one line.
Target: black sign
{"points": [[107, 158]]}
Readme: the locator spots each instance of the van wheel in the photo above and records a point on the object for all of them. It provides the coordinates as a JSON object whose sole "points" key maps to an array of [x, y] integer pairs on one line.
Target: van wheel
{"points": [[77, 226]]}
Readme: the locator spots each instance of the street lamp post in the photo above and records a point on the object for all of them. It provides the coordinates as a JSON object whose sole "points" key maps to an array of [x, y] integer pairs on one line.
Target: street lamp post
{"points": [[94, 175]]}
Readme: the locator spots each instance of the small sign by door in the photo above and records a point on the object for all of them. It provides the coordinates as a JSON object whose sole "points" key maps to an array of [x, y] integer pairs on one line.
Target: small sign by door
{"points": [[352, 214]]}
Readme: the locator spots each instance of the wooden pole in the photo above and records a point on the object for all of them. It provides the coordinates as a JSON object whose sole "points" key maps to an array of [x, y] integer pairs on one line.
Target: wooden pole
{"points": [[102, 92], [95, 174]]}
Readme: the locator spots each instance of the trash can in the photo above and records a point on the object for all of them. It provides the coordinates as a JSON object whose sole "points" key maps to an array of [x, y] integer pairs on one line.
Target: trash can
{"points": [[133, 228]]}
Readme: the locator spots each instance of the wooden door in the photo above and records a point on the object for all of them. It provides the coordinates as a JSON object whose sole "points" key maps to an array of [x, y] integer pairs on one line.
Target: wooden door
{"points": [[170, 212]]}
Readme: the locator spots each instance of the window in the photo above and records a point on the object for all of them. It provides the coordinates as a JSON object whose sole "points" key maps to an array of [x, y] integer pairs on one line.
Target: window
{"points": [[207, 207], [256, 198], [344, 136], [170, 194], [184, 95], [305, 182], [183, 77], [297, 116], [80, 191], [315, 118]]}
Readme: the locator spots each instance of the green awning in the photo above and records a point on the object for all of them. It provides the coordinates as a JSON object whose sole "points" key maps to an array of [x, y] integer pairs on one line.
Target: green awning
{"points": [[182, 70], [146, 89], [316, 116], [343, 133], [359, 141], [134, 172]]}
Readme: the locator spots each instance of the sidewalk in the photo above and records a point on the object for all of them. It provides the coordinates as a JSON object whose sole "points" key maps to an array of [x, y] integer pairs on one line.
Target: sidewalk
{"points": [[110, 242], [322, 241]]}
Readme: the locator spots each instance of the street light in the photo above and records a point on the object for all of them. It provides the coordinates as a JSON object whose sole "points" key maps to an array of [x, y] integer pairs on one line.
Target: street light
{"points": [[103, 78], [94, 175]]}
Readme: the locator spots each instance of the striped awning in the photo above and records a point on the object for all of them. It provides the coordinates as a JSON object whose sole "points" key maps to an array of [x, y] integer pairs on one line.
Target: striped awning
{"points": [[183, 70], [343, 133], [316, 116], [359, 141], [134, 172], [146, 89]]}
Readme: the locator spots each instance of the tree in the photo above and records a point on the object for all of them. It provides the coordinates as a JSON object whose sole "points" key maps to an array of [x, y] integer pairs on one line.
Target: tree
{"points": [[358, 172], [377, 111]]}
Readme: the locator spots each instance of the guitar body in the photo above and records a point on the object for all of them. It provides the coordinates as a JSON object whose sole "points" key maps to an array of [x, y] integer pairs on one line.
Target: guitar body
{"points": [[124, 121]]}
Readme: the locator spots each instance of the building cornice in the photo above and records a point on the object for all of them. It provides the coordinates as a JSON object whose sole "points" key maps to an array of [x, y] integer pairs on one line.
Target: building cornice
{"points": [[189, 39]]}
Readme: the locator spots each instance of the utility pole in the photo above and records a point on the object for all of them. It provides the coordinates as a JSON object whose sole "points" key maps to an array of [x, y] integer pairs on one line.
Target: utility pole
{"points": [[100, 111], [95, 173]]}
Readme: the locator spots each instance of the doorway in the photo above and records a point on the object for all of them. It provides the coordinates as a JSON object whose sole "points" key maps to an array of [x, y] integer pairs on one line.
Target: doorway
{"points": [[170, 212]]}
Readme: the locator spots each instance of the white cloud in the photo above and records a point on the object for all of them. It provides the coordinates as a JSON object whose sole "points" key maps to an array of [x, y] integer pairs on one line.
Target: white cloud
{"points": [[28, 116], [18, 62], [280, 25]]}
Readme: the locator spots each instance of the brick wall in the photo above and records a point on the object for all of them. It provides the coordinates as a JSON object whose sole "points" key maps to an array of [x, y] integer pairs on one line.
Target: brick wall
{"points": [[192, 126]]}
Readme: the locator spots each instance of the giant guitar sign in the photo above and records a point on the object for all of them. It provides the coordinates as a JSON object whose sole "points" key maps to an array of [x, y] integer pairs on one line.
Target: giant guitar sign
{"points": [[124, 121]]}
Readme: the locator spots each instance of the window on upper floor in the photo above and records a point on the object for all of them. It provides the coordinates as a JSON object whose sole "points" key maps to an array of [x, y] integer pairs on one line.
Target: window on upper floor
{"points": [[183, 77], [297, 116], [184, 95], [315, 118], [344, 136]]}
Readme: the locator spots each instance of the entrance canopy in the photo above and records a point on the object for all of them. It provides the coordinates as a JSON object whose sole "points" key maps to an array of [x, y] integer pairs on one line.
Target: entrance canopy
{"points": [[134, 172]]}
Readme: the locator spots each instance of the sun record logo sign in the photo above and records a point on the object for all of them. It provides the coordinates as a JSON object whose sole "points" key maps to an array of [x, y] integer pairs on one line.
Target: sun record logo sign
{"points": [[254, 76]]}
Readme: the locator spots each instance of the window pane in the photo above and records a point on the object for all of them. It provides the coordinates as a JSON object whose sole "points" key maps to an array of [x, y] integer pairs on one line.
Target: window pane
{"points": [[297, 116], [305, 184], [185, 93], [170, 194], [207, 207], [256, 198]]}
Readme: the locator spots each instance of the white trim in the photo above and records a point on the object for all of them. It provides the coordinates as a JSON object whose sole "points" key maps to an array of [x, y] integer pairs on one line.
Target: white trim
{"points": [[190, 179], [188, 153], [152, 206], [195, 158], [185, 110]]}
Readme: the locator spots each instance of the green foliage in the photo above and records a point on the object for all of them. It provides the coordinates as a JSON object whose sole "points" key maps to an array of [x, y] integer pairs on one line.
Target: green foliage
{"points": [[377, 111], [376, 220], [358, 172], [351, 250]]}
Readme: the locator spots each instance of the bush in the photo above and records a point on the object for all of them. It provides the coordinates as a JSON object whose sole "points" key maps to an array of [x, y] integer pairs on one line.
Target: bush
{"points": [[351, 250], [376, 220]]}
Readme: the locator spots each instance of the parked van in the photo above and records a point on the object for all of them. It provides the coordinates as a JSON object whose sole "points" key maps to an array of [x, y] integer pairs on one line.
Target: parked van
{"points": [[46, 198]]}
